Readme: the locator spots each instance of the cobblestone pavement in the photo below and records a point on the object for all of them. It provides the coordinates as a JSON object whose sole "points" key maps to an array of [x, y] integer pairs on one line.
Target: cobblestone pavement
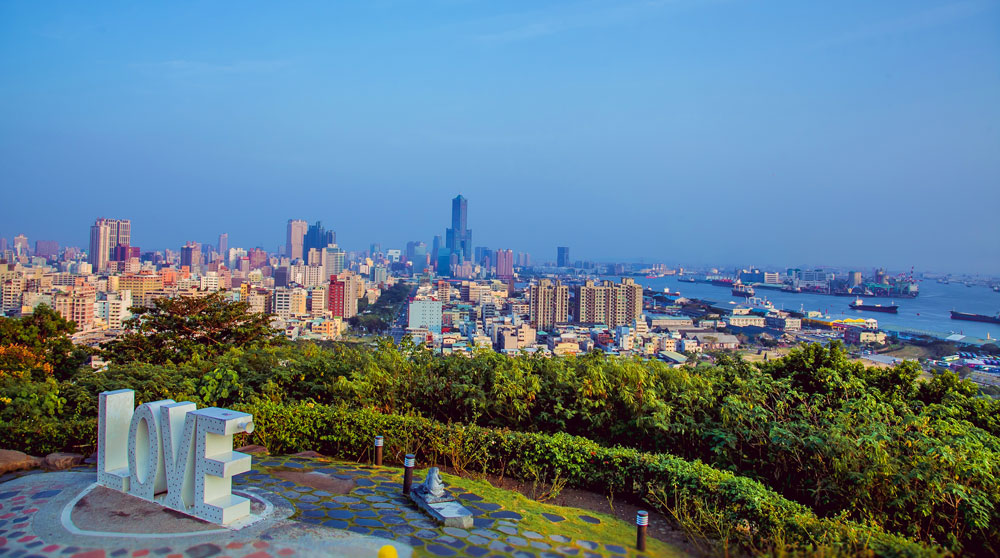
{"points": [[374, 507]]}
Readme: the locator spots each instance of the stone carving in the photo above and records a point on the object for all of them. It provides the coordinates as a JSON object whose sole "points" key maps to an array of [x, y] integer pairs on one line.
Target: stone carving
{"points": [[432, 497], [432, 489]]}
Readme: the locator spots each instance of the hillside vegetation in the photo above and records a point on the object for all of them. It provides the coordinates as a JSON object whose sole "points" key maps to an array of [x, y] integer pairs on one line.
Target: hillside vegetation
{"points": [[807, 451]]}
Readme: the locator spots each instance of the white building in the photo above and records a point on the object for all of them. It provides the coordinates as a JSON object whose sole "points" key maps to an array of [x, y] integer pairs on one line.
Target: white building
{"points": [[426, 314]]}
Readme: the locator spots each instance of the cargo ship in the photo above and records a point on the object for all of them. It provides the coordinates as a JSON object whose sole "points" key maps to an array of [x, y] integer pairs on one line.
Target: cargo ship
{"points": [[741, 290], [975, 317], [859, 304]]}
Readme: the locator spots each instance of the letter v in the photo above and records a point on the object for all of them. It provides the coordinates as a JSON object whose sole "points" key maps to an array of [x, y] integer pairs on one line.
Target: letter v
{"points": [[177, 428]]}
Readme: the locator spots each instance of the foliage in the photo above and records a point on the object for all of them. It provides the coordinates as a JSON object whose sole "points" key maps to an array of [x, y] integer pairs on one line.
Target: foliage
{"points": [[45, 333], [178, 329], [661, 479], [845, 442]]}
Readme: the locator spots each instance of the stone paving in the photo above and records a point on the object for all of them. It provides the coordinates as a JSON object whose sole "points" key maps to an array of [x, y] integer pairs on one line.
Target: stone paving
{"points": [[374, 508]]}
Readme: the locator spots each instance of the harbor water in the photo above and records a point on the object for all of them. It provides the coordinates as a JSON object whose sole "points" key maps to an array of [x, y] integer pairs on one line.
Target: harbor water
{"points": [[930, 311]]}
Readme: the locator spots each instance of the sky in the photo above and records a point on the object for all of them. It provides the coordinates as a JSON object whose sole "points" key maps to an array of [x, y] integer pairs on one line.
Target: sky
{"points": [[781, 133]]}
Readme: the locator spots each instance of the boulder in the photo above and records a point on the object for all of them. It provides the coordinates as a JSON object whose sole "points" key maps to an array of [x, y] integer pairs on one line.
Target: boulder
{"points": [[61, 461], [11, 460]]}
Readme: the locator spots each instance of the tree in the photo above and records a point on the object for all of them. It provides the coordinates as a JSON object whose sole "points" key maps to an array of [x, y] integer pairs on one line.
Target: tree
{"points": [[177, 329], [46, 334]]}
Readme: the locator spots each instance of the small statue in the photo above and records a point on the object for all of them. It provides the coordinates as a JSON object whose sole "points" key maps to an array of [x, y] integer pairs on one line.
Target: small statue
{"points": [[432, 489]]}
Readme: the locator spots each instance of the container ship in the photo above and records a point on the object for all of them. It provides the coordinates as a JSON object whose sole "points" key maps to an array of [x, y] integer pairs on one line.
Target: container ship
{"points": [[859, 304], [741, 290], [975, 317]]}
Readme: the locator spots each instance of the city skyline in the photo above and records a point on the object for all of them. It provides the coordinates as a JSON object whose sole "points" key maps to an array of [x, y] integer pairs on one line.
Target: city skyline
{"points": [[859, 134]]}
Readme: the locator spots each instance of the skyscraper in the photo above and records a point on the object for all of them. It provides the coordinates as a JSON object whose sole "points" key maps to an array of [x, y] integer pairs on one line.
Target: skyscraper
{"points": [[105, 236], [191, 256], [294, 237], [458, 237], [224, 246], [317, 237], [562, 259]]}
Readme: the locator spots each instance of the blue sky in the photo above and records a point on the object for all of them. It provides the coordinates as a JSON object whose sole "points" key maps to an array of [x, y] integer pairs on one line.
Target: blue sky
{"points": [[807, 133]]}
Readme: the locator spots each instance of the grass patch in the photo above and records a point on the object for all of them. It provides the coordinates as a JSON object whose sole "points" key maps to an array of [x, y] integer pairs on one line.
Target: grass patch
{"points": [[611, 530]]}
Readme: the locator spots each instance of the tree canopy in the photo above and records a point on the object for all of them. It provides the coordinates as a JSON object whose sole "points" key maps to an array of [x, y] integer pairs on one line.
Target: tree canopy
{"points": [[178, 329]]}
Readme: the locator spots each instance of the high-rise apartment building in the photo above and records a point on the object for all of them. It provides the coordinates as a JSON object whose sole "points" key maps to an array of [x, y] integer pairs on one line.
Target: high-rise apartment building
{"points": [[343, 300], [549, 304], [334, 260], [295, 238], [105, 236], [258, 258], [21, 245], [458, 238], [505, 264], [562, 256], [608, 303]]}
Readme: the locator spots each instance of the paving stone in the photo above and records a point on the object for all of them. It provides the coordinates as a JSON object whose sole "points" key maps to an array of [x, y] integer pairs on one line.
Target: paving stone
{"points": [[589, 519], [366, 522], [412, 541], [540, 545], [346, 500], [553, 517], [499, 546], [423, 524], [384, 506], [489, 534], [531, 535], [559, 538], [471, 497], [359, 530], [615, 548], [589, 554], [506, 514], [475, 551], [337, 524], [572, 551], [488, 506], [588, 545], [382, 533], [477, 540], [523, 554], [392, 520], [516, 541], [440, 550], [425, 534], [400, 529], [314, 513], [375, 499], [363, 482], [456, 532], [507, 530]]}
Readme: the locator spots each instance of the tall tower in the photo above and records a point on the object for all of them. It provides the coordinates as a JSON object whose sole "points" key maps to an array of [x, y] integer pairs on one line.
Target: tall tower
{"points": [[105, 236], [224, 247], [294, 237], [562, 256], [458, 237]]}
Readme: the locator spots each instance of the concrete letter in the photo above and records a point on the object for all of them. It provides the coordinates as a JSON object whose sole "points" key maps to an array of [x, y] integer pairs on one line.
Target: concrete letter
{"points": [[115, 409]]}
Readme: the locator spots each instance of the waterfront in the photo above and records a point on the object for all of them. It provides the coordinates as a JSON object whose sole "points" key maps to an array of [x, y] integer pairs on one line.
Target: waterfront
{"points": [[929, 312]]}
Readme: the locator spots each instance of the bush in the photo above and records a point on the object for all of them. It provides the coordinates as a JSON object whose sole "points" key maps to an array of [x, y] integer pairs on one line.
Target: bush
{"points": [[764, 520]]}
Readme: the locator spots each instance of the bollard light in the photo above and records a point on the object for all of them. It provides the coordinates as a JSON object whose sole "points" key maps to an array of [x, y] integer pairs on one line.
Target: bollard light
{"points": [[408, 462], [378, 451], [641, 522]]}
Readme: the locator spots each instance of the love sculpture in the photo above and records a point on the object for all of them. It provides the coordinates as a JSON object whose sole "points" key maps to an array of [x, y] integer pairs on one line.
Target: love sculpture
{"points": [[173, 454]]}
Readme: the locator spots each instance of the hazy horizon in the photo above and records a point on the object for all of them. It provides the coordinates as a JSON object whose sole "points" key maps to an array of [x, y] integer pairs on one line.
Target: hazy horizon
{"points": [[785, 134]]}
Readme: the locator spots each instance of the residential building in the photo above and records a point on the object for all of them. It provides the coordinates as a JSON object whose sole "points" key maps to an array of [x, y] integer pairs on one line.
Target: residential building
{"points": [[105, 235], [505, 265], [611, 304], [549, 304], [425, 313]]}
